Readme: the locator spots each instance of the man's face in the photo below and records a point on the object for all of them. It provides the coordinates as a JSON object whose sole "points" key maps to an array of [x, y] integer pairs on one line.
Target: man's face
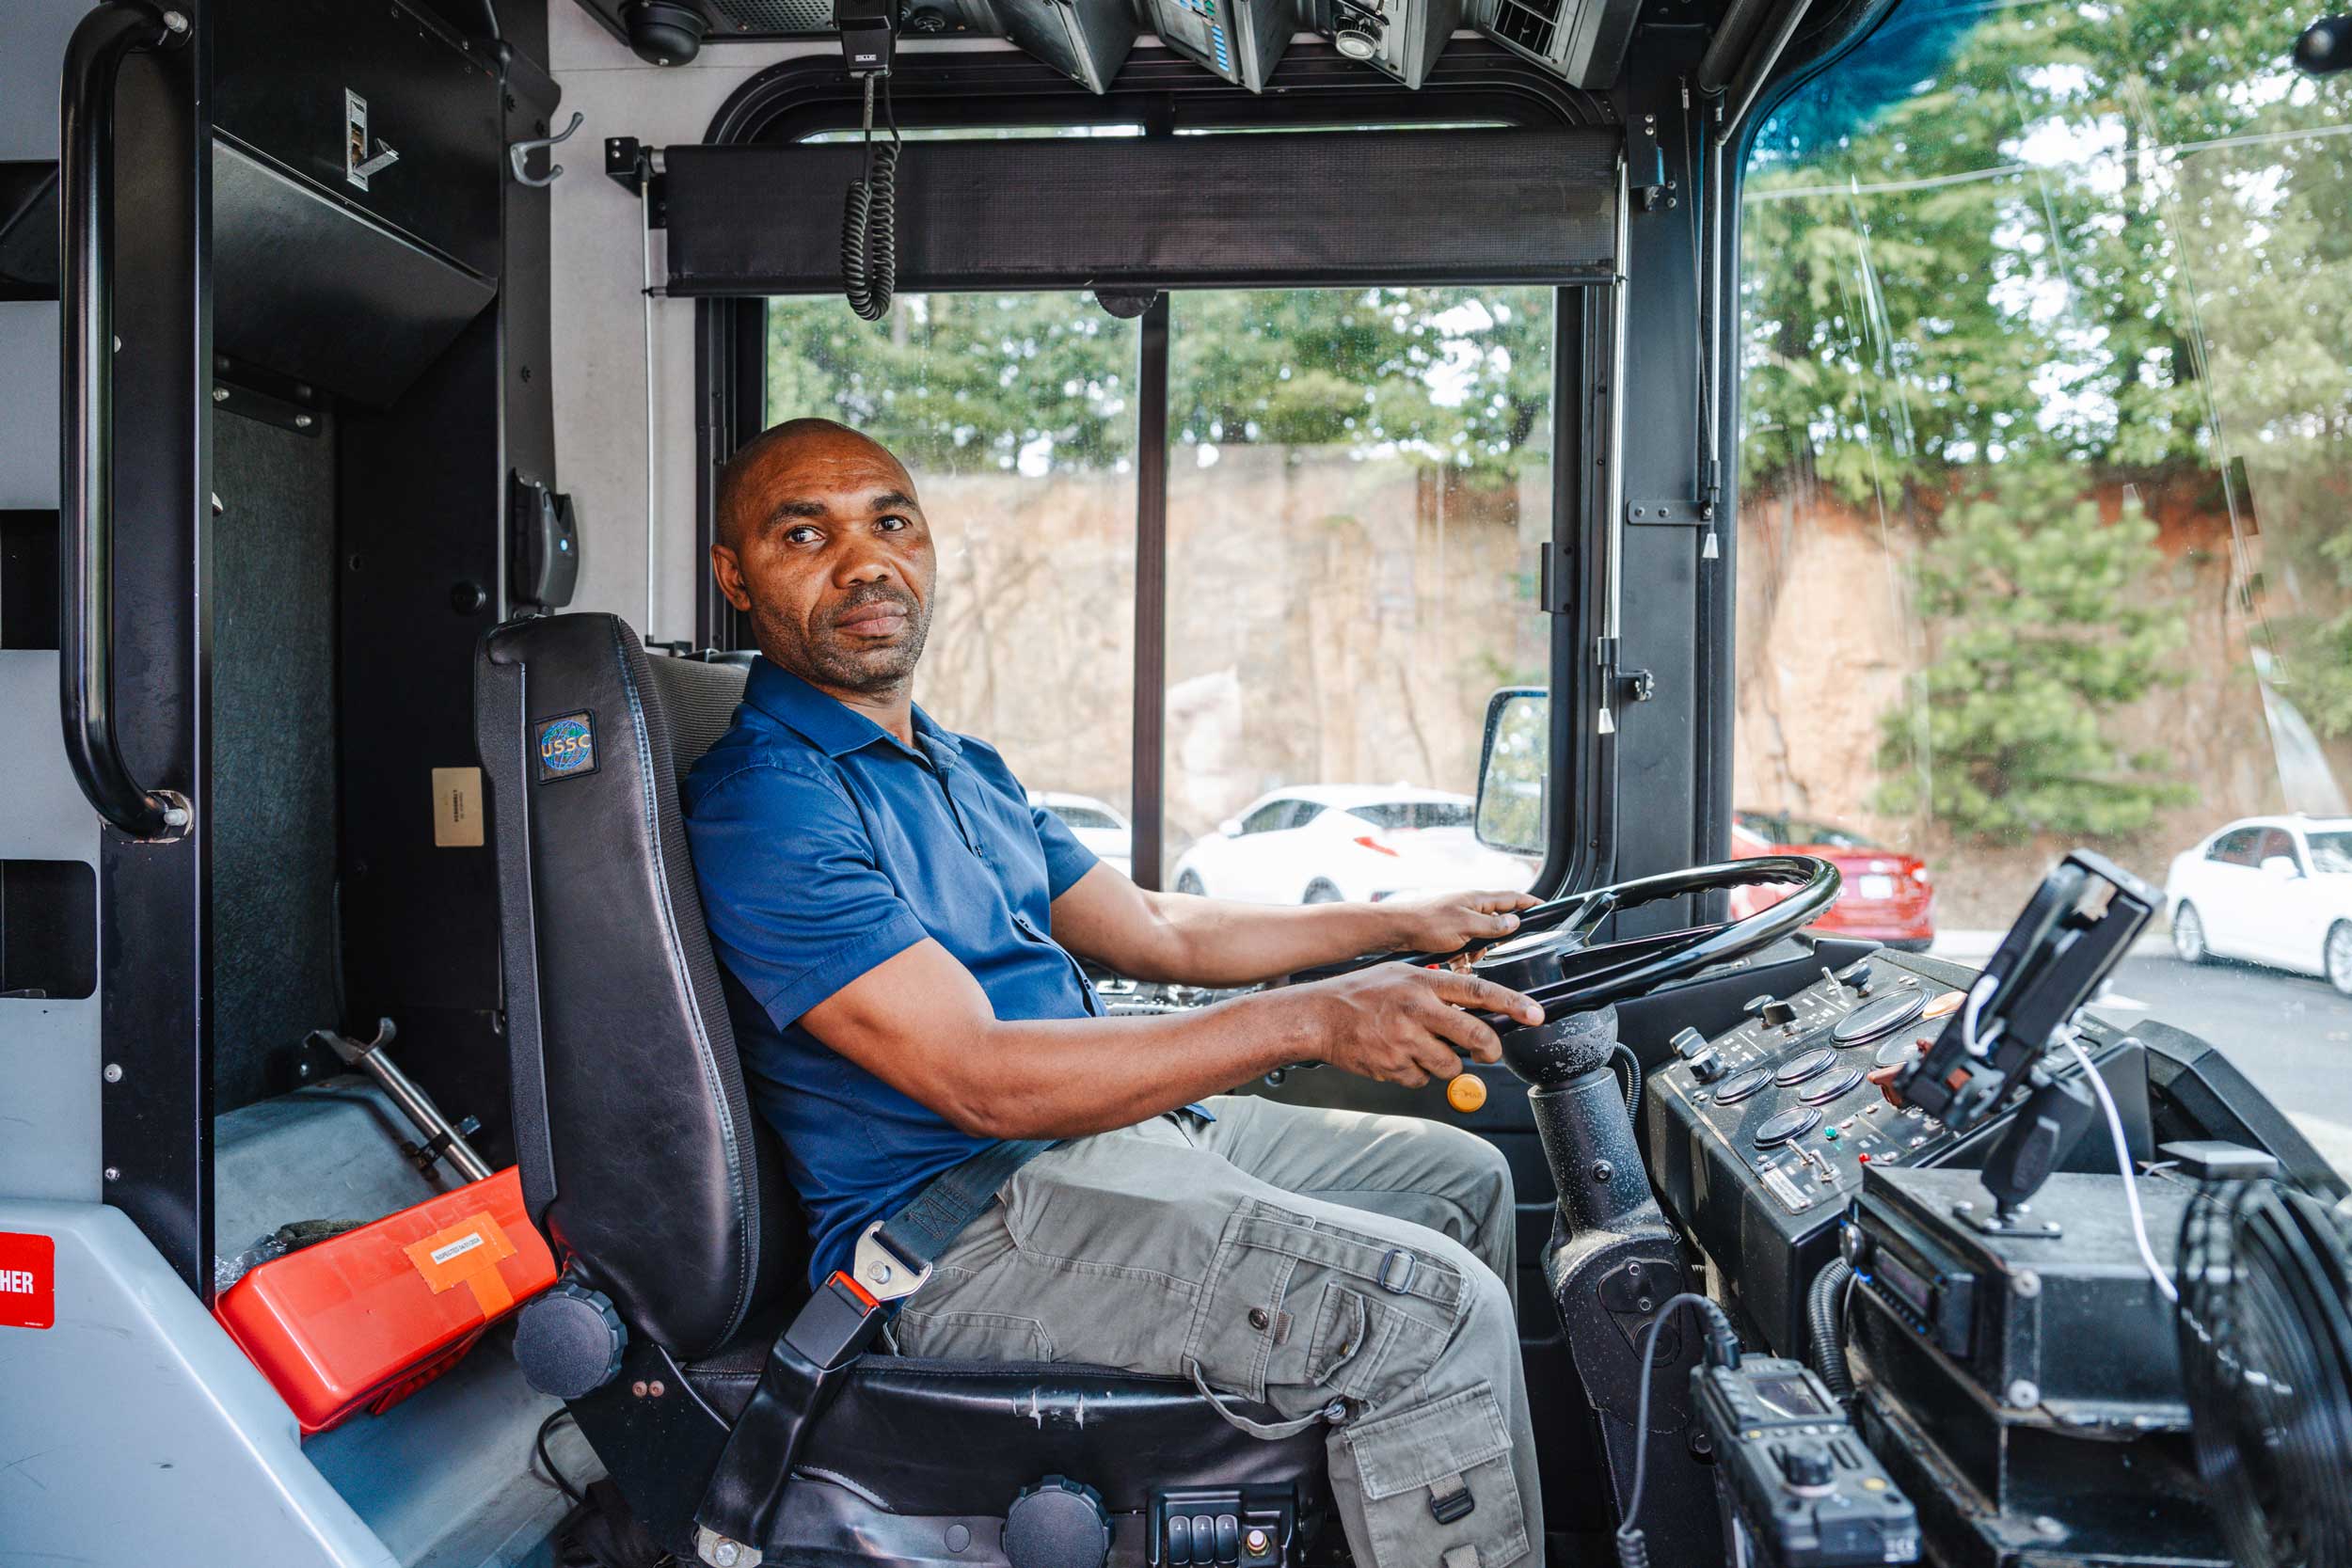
{"points": [[830, 556]]}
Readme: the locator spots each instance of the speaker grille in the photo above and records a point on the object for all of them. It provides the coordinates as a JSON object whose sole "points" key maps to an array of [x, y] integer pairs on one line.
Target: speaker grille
{"points": [[775, 18]]}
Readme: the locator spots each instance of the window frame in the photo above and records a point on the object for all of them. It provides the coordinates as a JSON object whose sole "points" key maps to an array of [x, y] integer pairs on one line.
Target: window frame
{"points": [[1168, 95]]}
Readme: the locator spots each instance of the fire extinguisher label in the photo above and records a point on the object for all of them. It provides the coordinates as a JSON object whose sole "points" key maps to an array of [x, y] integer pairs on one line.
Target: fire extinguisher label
{"points": [[28, 1281]]}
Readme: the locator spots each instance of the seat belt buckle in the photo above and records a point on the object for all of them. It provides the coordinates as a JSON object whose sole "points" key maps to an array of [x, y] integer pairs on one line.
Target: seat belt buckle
{"points": [[880, 1273], [835, 1325]]}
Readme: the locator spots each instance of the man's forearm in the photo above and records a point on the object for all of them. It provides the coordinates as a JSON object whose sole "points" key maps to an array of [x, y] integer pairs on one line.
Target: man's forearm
{"points": [[1215, 941], [1065, 1078]]}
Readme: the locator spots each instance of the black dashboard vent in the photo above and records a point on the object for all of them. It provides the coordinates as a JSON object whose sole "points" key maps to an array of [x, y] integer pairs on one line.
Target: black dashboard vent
{"points": [[1528, 27]]}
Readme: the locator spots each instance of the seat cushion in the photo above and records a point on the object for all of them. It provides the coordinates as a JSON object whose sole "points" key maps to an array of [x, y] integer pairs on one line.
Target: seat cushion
{"points": [[1123, 1434]]}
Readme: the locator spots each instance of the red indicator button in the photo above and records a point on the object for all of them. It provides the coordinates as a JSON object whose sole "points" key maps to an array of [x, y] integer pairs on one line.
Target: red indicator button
{"points": [[28, 1281]]}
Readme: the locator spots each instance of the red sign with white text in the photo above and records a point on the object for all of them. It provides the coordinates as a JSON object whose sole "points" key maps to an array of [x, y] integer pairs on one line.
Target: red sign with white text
{"points": [[28, 1281]]}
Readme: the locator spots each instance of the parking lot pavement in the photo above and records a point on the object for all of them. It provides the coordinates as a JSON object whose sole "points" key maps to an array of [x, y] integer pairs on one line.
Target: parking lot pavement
{"points": [[2291, 1033]]}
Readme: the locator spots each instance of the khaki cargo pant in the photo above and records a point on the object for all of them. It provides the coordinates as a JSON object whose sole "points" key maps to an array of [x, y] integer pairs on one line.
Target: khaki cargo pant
{"points": [[1295, 1256]]}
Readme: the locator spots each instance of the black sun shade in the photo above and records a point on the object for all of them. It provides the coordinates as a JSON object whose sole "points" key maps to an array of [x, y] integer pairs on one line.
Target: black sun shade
{"points": [[1287, 207]]}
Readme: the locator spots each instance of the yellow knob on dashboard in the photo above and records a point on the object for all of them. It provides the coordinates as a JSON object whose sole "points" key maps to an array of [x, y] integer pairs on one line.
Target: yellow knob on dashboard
{"points": [[1466, 1093]]}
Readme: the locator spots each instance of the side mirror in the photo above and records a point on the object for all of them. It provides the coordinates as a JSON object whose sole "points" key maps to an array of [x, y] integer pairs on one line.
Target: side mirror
{"points": [[1512, 766], [1230, 827], [2281, 868]]}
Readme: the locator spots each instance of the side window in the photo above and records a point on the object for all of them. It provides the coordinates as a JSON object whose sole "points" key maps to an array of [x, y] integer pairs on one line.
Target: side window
{"points": [[1302, 813], [1267, 818], [2279, 842], [2235, 848]]}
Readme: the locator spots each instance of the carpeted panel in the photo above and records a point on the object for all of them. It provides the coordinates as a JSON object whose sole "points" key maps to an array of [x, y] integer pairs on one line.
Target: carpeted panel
{"points": [[273, 818]]}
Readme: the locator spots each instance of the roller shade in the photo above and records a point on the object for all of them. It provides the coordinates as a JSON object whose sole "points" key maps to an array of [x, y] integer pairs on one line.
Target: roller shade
{"points": [[1182, 212]]}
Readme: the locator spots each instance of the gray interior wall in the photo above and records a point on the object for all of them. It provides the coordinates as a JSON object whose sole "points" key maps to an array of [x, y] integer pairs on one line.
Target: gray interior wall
{"points": [[49, 1067], [599, 347], [275, 962]]}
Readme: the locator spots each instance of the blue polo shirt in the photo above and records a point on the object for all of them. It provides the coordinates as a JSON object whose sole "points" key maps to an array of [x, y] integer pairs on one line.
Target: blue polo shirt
{"points": [[824, 846]]}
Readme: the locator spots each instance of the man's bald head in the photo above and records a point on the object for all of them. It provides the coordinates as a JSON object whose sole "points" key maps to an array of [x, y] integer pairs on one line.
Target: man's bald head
{"points": [[749, 484]]}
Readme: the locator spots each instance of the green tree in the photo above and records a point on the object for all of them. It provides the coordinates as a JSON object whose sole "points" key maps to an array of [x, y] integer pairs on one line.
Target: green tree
{"points": [[1456, 377], [2043, 636]]}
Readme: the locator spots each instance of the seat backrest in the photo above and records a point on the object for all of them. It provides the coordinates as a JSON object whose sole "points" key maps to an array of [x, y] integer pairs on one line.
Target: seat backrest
{"points": [[643, 1160]]}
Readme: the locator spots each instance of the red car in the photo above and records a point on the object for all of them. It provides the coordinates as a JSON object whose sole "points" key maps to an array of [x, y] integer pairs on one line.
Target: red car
{"points": [[1887, 895]]}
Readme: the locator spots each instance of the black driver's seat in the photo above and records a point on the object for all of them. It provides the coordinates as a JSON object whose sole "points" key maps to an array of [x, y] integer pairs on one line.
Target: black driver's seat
{"points": [[660, 1190]]}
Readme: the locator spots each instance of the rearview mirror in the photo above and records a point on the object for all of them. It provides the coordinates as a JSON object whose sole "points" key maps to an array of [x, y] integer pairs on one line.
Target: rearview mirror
{"points": [[2281, 868], [1512, 765]]}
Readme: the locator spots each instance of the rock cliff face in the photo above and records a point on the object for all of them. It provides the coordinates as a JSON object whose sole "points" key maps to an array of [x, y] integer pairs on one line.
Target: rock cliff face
{"points": [[1827, 639], [1330, 620], [1338, 620]]}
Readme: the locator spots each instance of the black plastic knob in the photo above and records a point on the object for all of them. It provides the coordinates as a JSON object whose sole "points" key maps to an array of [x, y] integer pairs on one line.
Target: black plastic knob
{"points": [[568, 1341], [1756, 1004], [1688, 1043], [1805, 1465], [1777, 1015], [1060, 1523], [1709, 1065], [1855, 976]]}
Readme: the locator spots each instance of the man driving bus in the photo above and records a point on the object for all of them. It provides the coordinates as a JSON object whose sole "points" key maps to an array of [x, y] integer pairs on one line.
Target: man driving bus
{"points": [[900, 925]]}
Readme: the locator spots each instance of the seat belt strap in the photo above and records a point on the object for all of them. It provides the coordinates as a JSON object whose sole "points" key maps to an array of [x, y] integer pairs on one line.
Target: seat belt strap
{"points": [[922, 1231], [831, 1331]]}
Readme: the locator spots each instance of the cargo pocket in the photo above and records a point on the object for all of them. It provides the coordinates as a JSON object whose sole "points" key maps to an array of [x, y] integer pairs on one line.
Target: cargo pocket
{"points": [[1244, 1312], [1370, 1349], [1437, 1486], [970, 1337]]}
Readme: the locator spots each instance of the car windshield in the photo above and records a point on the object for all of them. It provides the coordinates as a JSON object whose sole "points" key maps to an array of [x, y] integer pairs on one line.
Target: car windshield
{"points": [[2045, 427], [2332, 853], [1414, 813]]}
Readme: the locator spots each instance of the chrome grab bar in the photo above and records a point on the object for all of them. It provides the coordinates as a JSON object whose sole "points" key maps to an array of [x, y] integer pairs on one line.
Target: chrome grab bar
{"points": [[86, 145]]}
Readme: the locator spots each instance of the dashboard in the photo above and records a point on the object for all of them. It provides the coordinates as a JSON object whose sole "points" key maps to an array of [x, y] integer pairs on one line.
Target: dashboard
{"points": [[1760, 1135]]}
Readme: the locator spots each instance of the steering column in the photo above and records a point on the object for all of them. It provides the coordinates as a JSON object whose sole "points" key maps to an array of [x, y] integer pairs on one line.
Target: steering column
{"points": [[1614, 1256]]}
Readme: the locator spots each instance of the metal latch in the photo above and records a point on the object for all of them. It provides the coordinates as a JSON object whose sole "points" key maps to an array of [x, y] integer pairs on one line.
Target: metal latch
{"points": [[881, 1273]]}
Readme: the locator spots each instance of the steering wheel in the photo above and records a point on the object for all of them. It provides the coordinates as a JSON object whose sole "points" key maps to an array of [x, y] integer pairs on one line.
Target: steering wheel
{"points": [[1552, 960]]}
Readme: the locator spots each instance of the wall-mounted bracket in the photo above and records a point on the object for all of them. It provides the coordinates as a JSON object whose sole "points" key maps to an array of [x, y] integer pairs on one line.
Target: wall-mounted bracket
{"points": [[1677, 512], [629, 164]]}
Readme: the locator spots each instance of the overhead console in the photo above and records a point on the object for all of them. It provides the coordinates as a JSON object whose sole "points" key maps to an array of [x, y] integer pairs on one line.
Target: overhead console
{"points": [[1584, 41]]}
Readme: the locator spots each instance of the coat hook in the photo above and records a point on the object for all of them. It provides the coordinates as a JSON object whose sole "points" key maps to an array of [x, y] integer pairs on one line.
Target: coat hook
{"points": [[517, 151]]}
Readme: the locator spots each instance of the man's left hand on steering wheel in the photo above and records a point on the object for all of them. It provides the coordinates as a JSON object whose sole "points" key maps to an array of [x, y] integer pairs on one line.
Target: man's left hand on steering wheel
{"points": [[1441, 922]]}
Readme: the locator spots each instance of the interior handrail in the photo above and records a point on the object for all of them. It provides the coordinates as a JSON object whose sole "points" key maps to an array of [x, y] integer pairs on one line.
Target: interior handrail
{"points": [[85, 141]]}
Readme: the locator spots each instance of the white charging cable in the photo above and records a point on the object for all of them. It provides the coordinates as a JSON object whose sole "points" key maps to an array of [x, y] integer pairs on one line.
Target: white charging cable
{"points": [[2124, 1164]]}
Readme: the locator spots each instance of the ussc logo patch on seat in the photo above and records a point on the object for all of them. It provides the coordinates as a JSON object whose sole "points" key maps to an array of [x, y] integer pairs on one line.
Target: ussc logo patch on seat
{"points": [[567, 747]]}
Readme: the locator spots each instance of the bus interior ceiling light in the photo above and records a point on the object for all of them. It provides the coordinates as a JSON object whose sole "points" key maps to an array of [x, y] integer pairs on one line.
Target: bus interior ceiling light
{"points": [[869, 219]]}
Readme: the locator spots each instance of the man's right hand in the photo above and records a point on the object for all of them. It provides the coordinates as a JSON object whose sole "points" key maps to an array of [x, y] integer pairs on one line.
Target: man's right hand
{"points": [[1403, 1025]]}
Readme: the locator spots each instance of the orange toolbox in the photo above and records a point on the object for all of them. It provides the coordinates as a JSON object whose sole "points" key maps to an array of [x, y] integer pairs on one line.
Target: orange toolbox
{"points": [[367, 1318]]}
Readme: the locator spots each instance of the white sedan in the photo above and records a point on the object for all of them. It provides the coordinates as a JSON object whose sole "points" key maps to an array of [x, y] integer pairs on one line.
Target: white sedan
{"points": [[1096, 824], [2277, 890], [1320, 843]]}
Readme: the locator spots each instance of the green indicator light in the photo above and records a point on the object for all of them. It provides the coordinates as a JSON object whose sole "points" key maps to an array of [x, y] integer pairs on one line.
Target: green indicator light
{"points": [[1830, 1133]]}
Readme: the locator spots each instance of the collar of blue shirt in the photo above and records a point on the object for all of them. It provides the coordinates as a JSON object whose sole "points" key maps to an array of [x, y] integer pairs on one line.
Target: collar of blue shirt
{"points": [[825, 722]]}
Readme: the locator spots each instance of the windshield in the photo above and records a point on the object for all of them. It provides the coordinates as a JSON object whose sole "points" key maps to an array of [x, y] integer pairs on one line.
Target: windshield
{"points": [[2046, 436], [1354, 488]]}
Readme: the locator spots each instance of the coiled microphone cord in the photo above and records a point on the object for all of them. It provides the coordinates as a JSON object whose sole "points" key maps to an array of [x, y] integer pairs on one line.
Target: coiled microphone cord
{"points": [[869, 223]]}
